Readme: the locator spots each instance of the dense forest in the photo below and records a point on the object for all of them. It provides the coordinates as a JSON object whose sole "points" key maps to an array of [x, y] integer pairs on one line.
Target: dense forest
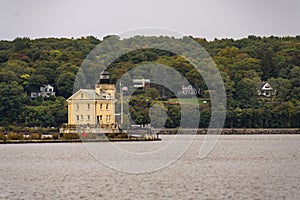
{"points": [[27, 64]]}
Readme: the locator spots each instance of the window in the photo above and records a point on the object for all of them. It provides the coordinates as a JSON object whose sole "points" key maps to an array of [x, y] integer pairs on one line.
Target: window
{"points": [[100, 117], [81, 95], [81, 117], [108, 118], [77, 106], [89, 106], [107, 106], [77, 117], [88, 118], [100, 106]]}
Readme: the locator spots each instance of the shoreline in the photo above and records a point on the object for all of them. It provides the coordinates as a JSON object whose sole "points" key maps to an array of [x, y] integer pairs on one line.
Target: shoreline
{"points": [[200, 131], [74, 141], [235, 131]]}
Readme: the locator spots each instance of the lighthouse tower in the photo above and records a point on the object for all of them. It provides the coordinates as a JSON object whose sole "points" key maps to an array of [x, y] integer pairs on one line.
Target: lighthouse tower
{"points": [[104, 85]]}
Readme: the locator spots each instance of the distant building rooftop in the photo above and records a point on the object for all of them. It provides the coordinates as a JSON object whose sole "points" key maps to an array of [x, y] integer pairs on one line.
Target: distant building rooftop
{"points": [[45, 91]]}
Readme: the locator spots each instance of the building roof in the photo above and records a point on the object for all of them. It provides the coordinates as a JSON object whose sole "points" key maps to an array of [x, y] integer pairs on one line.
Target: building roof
{"points": [[105, 73], [47, 85], [90, 93], [265, 86]]}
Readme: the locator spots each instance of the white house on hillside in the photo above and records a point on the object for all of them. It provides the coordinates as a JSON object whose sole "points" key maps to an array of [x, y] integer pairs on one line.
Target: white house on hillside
{"points": [[45, 91], [266, 90]]}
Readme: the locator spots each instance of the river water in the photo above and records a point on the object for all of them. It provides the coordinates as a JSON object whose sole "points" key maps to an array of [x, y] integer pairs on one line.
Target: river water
{"points": [[239, 167]]}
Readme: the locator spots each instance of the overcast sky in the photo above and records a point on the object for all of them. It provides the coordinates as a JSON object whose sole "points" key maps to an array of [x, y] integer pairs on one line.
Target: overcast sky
{"points": [[202, 18]]}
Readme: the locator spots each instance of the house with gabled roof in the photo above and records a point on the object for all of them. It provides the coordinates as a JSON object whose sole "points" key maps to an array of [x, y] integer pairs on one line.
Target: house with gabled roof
{"points": [[45, 91], [266, 90]]}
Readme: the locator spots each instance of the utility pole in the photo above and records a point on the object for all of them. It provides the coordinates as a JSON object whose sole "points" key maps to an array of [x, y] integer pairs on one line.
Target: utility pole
{"points": [[121, 98]]}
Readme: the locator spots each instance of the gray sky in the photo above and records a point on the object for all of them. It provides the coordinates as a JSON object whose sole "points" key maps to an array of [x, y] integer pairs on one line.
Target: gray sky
{"points": [[202, 18]]}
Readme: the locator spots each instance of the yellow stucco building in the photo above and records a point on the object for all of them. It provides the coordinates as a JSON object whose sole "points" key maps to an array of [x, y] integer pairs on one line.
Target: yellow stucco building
{"points": [[94, 107]]}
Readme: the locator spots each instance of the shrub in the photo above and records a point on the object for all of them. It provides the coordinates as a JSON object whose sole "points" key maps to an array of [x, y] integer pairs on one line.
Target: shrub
{"points": [[55, 136], [70, 136], [15, 136], [2, 130], [2, 136], [91, 136], [35, 136], [110, 135], [15, 129]]}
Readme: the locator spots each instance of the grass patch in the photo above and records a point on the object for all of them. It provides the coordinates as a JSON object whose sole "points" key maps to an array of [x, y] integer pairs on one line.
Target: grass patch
{"points": [[188, 101]]}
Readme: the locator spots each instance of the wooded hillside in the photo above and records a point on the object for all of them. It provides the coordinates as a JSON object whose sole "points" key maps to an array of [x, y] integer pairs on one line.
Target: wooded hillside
{"points": [[26, 65]]}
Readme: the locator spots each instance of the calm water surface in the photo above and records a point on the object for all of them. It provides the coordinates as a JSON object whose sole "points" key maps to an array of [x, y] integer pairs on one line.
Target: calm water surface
{"points": [[239, 167]]}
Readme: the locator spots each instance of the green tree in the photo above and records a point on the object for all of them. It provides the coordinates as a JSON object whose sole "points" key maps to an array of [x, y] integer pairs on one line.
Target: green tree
{"points": [[205, 115], [283, 114], [47, 72], [139, 109], [196, 80], [22, 44], [282, 86], [8, 76], [35, 82], [152, 93], [65, 83], [174, 116], [246, 92], [12, 98], [295, 80]]}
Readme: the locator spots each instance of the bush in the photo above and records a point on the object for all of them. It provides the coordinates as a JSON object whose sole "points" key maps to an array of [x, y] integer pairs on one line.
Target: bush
{"points": [[2, 136], [110, 135], [15, 136], [70, 136], [89, 136], [55, 136], [35, 136], [2, 130], [36, 130]]}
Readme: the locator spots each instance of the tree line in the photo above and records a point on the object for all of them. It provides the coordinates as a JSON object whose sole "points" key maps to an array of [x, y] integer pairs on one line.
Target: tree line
{"points": [[27, 64]]}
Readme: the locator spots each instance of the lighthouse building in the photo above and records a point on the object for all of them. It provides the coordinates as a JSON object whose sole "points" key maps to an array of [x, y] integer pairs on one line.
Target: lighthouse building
{"points": [[94, 108]]}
